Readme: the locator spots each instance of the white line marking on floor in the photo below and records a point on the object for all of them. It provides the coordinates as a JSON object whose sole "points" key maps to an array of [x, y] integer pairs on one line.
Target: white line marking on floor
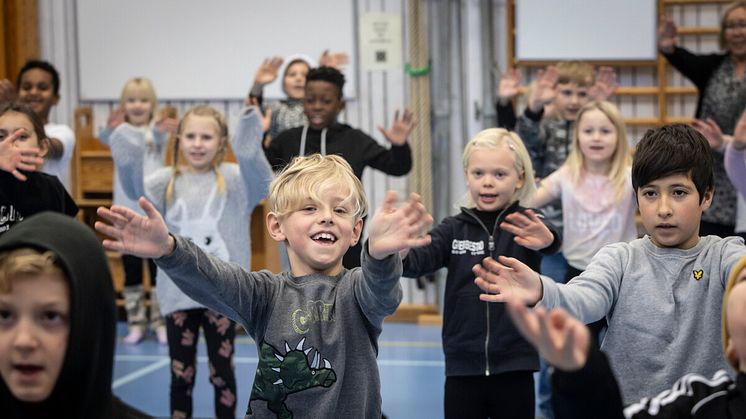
{"points": [[162, 362], [160, 359]]}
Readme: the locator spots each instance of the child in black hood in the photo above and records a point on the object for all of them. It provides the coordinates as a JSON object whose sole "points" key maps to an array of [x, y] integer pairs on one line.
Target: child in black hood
{"points": [[61, 248]]}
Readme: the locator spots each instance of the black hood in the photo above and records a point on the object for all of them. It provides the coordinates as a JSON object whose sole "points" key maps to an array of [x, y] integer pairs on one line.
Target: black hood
{"points": [[83, 388]]}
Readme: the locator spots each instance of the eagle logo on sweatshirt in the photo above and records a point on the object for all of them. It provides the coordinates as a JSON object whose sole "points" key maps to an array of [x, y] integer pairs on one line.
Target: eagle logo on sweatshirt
{"points": [[698, 274]]}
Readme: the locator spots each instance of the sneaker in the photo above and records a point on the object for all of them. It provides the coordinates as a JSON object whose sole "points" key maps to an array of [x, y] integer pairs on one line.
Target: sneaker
{"points": [[134, 336], [160, 332]]}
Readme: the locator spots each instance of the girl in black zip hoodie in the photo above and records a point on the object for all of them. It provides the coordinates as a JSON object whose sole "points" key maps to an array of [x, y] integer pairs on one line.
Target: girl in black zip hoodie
{"points": [[489, 366]]}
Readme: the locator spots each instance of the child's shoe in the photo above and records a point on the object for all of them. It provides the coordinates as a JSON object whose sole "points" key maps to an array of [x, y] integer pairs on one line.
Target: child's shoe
{"points": [[160, 332], [134, 336]]}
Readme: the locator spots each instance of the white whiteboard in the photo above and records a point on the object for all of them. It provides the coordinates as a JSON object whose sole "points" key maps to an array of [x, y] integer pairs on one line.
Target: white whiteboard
{"points": [[204, 50], [585, 29]]}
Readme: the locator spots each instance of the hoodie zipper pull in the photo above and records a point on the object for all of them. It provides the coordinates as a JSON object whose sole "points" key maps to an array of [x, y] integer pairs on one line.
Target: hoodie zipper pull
{"points": [[491, 244]]}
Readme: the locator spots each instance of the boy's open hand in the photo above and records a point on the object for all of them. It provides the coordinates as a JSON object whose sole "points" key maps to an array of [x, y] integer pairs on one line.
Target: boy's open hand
{"points": [[530, 232], [560, 338], [509, 85], [400, 129], [14, 159], [267, 71], [131, 233], [605, 84], [395, 229], [545, 89], [507, 278]]}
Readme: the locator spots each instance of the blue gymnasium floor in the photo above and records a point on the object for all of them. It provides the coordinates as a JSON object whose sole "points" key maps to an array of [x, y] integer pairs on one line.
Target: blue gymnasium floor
{"points": [[410, 361]]}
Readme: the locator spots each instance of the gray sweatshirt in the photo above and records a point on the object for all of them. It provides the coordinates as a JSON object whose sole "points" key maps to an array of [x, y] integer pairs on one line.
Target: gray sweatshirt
{"points": [[316, 335], [663, 307], [216, 221], [152, 143]]}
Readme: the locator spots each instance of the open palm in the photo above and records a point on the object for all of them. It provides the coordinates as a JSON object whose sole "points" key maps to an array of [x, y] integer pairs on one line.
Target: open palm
{"points": [[144, 236], [396, 229], [400, 128]]}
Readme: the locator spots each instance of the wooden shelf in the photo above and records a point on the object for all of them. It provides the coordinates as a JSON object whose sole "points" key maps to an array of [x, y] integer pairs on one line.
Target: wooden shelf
{"points": [[698, 30]]}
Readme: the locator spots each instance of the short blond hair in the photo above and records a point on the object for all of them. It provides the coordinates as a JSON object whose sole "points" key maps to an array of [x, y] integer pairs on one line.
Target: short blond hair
{"points": [[578, 72], [493, 138], [24, 262], [310, 176]]}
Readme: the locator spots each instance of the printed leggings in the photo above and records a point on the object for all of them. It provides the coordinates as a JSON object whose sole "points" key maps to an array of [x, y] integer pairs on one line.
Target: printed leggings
{"points": [[183, 335]]}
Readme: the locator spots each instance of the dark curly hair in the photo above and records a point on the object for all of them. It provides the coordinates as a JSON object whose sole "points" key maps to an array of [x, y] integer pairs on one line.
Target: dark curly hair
{"points": [[327, 74], [41, 65]]}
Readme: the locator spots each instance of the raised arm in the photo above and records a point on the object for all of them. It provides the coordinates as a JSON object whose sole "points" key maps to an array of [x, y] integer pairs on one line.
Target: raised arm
{"points": [[391, 230], [668, 36], [115, 119], [265, 74], [128, 151], [400, 128], [604, 85], [143, 236], [394, 229], [247, 146], [507, 89], [221, 286], [583, 384], [334, 59]]}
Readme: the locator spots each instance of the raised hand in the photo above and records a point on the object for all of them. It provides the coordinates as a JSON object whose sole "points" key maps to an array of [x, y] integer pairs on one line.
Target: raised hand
{"points": [[167, 121], [711, 130], [267, 71], [739, 134], [400, 128], [509, 85], [264, 116], [560, 338], [507, 278], [395, 229], [144, 236], [667, 34], [544, 90], [334, 59], [530, 232], [13, 159], [7, 91], [115, 118], [605, 84]]}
